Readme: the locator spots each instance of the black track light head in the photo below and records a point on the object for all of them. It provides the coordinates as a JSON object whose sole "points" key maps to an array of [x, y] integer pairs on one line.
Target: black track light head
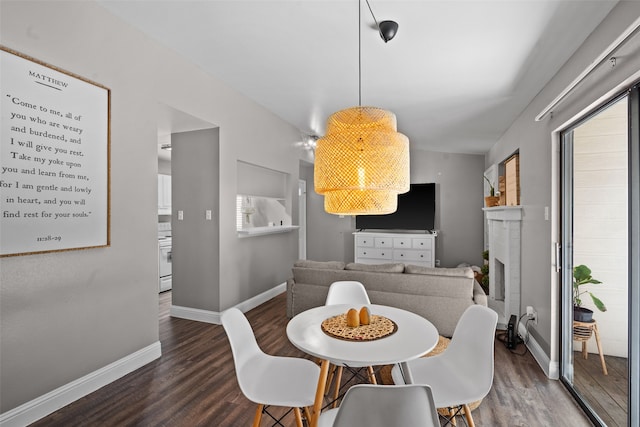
{"points": [[388, 30]]}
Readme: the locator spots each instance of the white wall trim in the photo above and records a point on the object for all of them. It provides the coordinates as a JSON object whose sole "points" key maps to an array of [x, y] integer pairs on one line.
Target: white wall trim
{"points": [[209, 316], [196, 314], [44, 405], [262, 298], [550, 368]]}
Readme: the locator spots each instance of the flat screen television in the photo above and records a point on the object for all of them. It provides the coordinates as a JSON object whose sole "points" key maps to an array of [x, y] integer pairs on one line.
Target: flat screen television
{"points": [[416, 211]]}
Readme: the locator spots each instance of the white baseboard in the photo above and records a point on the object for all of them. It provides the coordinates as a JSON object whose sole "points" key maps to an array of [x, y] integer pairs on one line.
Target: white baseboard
{"points": [[551, 369], [196, 314], [209, 316], [262, 298], [44, 405]]}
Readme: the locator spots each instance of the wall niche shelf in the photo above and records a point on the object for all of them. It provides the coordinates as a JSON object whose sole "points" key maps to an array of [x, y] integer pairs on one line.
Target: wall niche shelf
{"points": [[261, 231]]}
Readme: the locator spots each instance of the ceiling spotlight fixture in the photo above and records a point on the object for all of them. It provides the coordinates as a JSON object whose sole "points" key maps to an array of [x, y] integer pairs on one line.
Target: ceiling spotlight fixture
{"points": [[388, 30], [362, 163], [309, 142]]}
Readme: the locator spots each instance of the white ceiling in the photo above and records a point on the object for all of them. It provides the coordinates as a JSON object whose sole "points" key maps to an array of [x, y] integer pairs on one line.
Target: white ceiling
{"points": [[457, 74]]}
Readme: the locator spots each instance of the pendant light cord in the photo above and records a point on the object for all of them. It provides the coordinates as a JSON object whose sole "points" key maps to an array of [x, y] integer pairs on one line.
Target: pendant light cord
{"points": [[360, 53], [374, 16]]}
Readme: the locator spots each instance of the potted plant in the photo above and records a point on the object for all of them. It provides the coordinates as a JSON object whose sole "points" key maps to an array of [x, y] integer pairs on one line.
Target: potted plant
{"points": [[484, 279], [483, 276], [491, 199], [582, 276]]}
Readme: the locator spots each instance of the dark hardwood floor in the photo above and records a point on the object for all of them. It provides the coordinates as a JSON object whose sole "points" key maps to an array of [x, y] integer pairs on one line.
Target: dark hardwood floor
{"points": [[194, 383]]}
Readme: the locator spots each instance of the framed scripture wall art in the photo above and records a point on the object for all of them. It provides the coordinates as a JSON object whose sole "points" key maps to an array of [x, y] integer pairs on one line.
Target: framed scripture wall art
{"points": [[54, 158]]}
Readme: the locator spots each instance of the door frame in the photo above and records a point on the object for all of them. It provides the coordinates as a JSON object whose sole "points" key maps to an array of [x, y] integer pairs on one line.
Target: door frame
{"points": [[562, 256]]}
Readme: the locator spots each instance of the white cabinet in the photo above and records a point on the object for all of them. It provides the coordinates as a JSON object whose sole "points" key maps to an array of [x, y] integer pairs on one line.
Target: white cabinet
{"points": [[164, 194], [380, 248]]}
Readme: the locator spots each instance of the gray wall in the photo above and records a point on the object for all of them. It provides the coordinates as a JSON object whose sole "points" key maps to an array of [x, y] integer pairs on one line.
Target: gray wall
{"points": [[459, 203], [534, 141], [65, 315], [329, 237], [195, 241]]}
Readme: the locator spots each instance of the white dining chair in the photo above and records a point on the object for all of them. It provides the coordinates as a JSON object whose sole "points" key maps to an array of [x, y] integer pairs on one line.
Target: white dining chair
{"points": [[463, 373], [366, 405], [269, 380], [347, 292]]}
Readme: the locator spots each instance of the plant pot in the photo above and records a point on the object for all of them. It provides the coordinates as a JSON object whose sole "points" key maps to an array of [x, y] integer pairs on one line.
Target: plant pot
{"points": [[491, 201], [582, 314]]}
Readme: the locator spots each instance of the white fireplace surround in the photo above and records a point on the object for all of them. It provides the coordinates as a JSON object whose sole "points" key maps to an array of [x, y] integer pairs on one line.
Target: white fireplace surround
{"points": [[504, 260]]}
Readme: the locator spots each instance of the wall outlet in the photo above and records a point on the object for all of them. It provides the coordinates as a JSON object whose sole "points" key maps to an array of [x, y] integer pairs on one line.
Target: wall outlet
{"points": [[437, 263], [532, 314]]}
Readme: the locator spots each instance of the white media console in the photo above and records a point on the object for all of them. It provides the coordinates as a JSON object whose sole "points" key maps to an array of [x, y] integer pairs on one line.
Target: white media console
{"points": [[380, 248]]}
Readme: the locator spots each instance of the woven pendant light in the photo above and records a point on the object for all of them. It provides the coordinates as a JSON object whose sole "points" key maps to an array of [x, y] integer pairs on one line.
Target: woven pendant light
{"points": [[362, 163]]}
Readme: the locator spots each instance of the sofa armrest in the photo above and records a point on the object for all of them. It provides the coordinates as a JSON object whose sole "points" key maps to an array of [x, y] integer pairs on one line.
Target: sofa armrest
{"points": [[479, 297]]}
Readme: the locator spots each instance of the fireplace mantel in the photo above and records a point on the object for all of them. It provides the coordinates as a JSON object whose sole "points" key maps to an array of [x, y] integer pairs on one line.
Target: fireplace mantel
{"points": [[504, 213], [504, 260]]}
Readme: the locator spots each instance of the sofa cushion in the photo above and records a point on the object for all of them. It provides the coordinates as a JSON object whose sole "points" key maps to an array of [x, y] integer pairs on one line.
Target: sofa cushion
{"points": [[328, 265], [456, 272], [379, 268]]}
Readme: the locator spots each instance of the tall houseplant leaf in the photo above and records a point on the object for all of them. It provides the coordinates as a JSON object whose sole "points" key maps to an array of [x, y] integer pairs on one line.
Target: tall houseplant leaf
{"points": [[582, 276]]}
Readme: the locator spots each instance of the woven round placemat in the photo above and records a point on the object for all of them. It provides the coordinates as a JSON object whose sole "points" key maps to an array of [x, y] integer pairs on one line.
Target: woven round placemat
{"points": [[385, 371], [379, 327]]}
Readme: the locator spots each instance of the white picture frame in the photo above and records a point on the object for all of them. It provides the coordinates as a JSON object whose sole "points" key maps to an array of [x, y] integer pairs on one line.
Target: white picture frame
{"points": [[54, 158]]}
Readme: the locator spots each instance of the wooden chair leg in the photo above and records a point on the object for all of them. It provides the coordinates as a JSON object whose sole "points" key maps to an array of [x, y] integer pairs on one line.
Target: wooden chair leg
{"points": [[452, 416], [597, 334], [317, 405], [332, 372], [372, 375], [307, 415], [258, 416], [298, 415], [467, 415]]}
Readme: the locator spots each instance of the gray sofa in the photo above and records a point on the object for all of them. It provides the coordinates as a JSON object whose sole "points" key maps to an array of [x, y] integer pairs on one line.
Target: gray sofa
{"points": [[440, 295]]}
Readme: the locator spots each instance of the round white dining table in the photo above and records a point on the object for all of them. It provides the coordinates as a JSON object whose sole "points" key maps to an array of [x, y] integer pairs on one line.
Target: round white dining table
{"points": [[414, 337]]}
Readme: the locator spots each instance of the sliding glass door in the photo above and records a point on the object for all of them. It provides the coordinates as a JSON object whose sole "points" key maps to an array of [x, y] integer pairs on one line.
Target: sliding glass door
{"points": [[598, 183]]}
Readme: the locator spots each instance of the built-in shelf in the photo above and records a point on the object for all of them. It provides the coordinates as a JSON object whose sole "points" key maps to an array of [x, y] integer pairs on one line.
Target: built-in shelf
{"points": [[259, 231]]}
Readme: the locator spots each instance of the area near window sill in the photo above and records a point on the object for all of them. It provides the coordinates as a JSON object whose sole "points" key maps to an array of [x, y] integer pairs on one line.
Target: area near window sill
{"points": [[259, 231]]}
